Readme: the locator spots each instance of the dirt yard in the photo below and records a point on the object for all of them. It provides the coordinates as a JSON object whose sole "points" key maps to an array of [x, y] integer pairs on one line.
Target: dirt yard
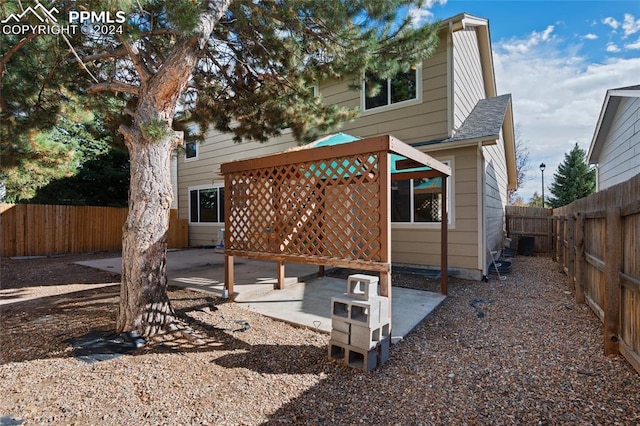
{"points": [[518, 351]]}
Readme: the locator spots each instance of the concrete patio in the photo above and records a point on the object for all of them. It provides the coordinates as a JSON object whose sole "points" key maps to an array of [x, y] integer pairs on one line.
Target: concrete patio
{"points": [[305, 300]]}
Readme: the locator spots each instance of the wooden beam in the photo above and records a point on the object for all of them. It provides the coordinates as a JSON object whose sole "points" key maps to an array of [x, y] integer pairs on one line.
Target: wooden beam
{"points": [[420, 157], [384, 224], [314, 260], [444, 241], [228, 276], [612, 267], [279, 284], [305, 155]]}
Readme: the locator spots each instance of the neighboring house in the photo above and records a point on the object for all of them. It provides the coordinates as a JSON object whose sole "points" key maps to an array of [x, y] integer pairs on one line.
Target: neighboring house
{"points": [[615, 147], [449, 108]]}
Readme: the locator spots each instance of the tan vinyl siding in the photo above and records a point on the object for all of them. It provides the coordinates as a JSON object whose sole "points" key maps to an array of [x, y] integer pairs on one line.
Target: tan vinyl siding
{"points": [[620, 155], [414, 244], [467, 70], [495, 194], [414, 121]]}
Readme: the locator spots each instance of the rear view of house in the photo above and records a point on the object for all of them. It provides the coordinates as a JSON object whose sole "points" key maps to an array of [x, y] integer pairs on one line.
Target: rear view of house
{"points": [[448, 106]]}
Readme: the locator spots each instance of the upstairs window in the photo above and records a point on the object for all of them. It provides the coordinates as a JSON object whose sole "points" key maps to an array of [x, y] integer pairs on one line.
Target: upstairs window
{"points": [[400, 88], [191, 151], [206, 205]]}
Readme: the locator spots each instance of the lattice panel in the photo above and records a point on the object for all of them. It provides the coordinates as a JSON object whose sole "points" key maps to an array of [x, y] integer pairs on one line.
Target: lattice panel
{"points": [[324, 208]]}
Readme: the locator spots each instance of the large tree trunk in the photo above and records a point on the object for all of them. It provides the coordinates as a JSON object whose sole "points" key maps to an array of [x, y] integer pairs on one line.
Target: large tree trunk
{"points": [[144, 303]]}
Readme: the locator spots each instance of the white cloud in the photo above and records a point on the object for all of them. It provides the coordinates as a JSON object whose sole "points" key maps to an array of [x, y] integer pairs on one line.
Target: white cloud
{"points": [[524, 45], [419, 15], [590, 36], [630, 25], [612, 22], [557, 97], [633, 46], [612, 48]]}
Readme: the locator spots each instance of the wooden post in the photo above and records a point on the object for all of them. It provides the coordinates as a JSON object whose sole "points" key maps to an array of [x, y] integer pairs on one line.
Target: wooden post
{"points": [[561, 243], [279, 285], [571, 220], [444, 243], [580, 259], [553, 238], [384, 159], [612, 266], [321, 271], [228, 275]]}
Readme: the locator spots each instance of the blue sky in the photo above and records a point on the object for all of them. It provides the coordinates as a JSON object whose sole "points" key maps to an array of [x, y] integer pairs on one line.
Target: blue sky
{"points": [[557, 59]]}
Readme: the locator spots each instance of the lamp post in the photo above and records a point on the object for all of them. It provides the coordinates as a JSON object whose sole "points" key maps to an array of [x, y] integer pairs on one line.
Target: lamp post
{"points": [[542, 167]]}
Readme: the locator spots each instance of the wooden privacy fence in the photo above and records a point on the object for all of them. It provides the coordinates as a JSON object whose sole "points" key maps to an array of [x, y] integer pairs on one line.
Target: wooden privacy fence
{"points": [[597, 245], [529, 222], [35, 229]]}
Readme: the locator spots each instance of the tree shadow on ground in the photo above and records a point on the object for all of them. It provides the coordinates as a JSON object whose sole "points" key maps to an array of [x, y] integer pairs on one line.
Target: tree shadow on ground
{"points": [[82, 324]]}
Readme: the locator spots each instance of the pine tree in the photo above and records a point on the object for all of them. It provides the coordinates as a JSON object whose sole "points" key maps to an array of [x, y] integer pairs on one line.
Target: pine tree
{"points": [[241, 67], [574, 179]]}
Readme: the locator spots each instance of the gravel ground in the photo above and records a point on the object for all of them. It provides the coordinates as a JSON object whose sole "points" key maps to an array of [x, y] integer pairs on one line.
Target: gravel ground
{"points": [[518, 351]]}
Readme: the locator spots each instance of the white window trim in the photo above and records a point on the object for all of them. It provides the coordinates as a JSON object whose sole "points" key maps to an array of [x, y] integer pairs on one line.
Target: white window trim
{"points": [[450, 161], [187, 159], [197, 188], [409, 102]]}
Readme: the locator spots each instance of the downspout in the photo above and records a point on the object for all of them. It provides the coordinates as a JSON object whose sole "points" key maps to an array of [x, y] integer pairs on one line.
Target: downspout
{"points": [[482, 220]]}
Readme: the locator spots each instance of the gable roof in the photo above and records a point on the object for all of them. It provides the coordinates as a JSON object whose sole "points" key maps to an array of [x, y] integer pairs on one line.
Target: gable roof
{"points": [[485, 120], [609, 107], [483, 125]]}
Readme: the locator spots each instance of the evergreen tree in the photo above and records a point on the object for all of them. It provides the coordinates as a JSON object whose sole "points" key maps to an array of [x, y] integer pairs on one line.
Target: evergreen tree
{"points": [[574, 179], [241, 67]]}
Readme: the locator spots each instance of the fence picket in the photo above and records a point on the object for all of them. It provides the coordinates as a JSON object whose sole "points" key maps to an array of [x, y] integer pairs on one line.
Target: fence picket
{"points": [[35, 230]]}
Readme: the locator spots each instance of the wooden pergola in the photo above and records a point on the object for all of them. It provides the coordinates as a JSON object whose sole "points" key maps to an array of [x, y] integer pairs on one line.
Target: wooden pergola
{"points": [[326, 206]]}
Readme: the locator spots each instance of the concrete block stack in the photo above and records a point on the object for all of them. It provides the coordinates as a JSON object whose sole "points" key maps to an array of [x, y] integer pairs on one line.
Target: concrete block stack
{"points": [[360, 324]]}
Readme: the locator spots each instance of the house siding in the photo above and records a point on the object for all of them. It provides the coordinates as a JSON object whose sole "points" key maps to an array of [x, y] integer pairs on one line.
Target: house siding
{"points": [[417, 244], [495, 196], [467, 70], [418, 121], [619, 159]]}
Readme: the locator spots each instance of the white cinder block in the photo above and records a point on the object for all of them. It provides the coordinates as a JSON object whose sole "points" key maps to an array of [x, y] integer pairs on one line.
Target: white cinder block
{"points": [[340, 337], [362, 286], [342, 326]]}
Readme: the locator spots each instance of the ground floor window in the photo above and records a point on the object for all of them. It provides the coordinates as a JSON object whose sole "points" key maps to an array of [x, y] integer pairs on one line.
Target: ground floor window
{"points": [[418, 200], [206, 205]]}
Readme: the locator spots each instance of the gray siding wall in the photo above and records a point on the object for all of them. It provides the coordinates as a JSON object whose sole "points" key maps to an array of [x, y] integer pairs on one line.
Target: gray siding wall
{"points": [[495, 196], [468, 85], [620, 155]]}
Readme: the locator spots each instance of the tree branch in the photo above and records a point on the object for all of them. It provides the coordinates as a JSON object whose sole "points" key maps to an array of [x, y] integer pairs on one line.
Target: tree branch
{"points": [[7, 56], [143, 71], [114, 86]]}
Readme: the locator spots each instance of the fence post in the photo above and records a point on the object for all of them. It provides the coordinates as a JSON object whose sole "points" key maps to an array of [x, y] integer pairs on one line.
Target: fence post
{"points": [[612, 264], [570, 252], [561, 227], [553, 239], [580, 259]]}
